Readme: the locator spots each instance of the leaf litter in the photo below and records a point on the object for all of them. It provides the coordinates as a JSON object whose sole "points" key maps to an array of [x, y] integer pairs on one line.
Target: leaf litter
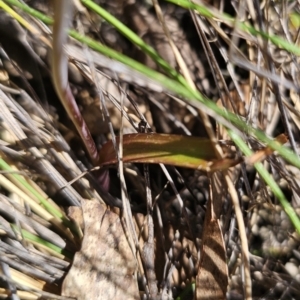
{"points": [[43, 148]]}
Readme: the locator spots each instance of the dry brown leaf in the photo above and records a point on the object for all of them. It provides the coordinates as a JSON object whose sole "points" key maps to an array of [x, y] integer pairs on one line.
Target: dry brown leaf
{"points": [[260, 155], [212, 277], [105, 267]]}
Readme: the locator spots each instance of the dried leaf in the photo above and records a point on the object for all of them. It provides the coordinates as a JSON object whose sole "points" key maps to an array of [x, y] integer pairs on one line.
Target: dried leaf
{"points": [[260, 155], [169, 149], [104, 268], [212, 278]]}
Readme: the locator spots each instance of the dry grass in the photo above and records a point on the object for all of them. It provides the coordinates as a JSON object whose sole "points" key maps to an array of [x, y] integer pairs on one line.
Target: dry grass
{"points": [[45, 168]]}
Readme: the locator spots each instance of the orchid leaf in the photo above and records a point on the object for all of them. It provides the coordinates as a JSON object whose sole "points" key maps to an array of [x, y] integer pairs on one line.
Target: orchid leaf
{"points": [[169, 149]]}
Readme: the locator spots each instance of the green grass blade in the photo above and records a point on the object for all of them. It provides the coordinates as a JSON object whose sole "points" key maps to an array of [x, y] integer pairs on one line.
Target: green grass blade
{"points": [[135, 39], [5, 167], [206, 12], [43, 202], [31, 11], [269, 181], [34, 238]]}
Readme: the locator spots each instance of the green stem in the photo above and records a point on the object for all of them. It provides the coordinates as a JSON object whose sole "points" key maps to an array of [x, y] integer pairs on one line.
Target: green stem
{"points": [[135, 39], [269, 181]]}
